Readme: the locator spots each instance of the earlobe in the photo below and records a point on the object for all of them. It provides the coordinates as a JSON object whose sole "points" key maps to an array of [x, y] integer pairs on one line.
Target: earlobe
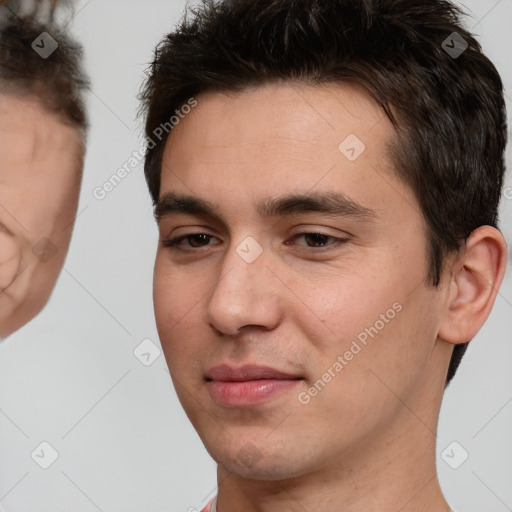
{"points": [[10, 259], [476, 277]]}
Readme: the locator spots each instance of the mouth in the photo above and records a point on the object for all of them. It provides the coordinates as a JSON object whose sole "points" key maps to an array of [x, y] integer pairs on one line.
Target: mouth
{"points": [[247, 385]]}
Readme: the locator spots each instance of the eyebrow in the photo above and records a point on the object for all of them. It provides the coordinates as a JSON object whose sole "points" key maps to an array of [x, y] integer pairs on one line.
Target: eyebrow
{"points": [[327, 203]]}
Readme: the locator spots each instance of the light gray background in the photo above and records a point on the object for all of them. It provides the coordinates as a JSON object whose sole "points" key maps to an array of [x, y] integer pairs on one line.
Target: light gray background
{"points": [[70, 377]]}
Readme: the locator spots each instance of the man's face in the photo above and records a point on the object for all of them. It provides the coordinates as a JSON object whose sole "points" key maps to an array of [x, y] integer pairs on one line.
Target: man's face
{"points": [[255, 308], [40, 174]]}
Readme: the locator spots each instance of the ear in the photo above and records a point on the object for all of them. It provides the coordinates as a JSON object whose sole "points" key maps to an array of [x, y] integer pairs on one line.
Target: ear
{"points": [[10, 258], [476, 276]]}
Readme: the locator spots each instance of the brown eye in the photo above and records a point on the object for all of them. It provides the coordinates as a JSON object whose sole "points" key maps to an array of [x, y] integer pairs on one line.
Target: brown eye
{"points": [[192, 241], [316, 239], [198, 240]]}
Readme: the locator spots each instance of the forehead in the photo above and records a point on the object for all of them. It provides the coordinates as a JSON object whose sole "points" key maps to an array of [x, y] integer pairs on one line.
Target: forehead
{"points": [[299, 109], [38, 150], [286, 137], [31, 133], [40, 164]]}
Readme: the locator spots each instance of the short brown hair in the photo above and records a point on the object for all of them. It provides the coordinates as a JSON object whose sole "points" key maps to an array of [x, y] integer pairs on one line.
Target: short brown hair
{"points": [[58, 81]]}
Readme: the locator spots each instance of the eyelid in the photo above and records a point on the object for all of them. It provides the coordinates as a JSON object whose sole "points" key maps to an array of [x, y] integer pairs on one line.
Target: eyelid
{"points": [[188, 230], [175, 241], [320, 230], [337, 241]]}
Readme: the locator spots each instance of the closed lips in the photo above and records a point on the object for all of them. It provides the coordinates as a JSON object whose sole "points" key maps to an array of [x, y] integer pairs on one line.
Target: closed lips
{"points": [[225, 373]]}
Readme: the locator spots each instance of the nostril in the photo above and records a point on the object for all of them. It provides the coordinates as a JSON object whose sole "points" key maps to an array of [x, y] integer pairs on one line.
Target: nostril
{"points": [[221, 334]]}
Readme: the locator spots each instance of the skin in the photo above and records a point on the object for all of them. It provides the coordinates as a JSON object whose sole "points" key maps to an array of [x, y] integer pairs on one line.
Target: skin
{"points": [[41, 160], [367, 439]]}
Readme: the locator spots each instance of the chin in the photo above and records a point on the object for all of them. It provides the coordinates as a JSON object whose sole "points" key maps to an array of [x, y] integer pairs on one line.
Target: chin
{"points": [[256, 462]]}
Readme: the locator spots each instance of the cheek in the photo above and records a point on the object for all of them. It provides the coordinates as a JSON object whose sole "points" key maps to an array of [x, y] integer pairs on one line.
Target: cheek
{"points": [[178, 302], [334, 310], [384, 349], [175, 293], [372, 319]]}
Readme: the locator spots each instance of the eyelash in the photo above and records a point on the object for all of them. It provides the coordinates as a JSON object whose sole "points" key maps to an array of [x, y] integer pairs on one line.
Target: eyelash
{"points": [[173, 243]]}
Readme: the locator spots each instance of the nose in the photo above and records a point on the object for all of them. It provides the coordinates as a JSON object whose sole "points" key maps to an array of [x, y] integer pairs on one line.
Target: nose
{"points": [[245, 294]]}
